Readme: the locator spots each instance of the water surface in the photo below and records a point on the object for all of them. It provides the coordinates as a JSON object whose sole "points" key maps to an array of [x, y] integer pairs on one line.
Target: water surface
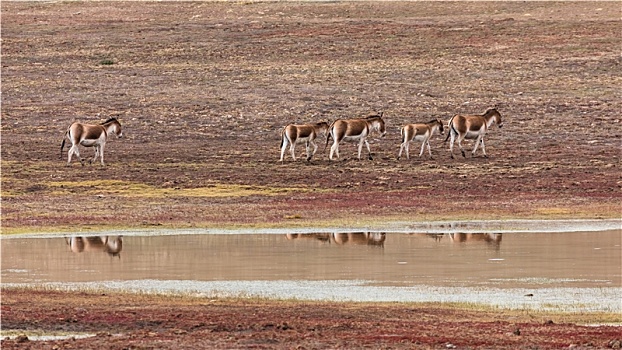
{"points": [[574, 268]]}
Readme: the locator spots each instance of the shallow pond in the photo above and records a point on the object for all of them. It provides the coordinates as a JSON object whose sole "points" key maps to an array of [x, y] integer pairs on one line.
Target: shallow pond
{"points": [[576, 271]]}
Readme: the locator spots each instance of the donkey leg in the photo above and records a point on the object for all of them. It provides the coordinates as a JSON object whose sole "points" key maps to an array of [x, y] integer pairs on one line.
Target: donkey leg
{"points": [[94, 159], [309, 156], [429, 150], [360, 148], [460, 145], [368, 151], [451, 143], [402, 146], [477, 141], [101, 153], [422, 148], [292, 150], [307, 149], [407, 150], [484, 148], [283, 148], [334, 149], [69, 155], [75, 150]]}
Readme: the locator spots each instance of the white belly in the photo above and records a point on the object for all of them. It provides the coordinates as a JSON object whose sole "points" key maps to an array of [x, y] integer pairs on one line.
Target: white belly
{"points": [[420, 138], [353, 138], [89, 143], [472, 134]]}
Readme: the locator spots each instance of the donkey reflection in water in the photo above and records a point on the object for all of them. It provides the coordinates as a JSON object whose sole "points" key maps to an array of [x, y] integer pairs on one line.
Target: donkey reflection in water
{"points": [[493, 239], [112, 245], [471, 127], [299, 133], [90, 135], [360, 238], [354, 130], [344, 238]]}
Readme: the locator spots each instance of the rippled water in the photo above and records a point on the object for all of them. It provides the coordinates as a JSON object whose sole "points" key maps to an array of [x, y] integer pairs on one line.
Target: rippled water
{"points": [[515, 269]]}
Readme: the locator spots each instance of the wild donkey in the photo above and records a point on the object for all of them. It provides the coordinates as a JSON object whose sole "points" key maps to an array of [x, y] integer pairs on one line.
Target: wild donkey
{"points": [[306, 133], [472, 127], [354, 130], [419, 132], [90, 135]]}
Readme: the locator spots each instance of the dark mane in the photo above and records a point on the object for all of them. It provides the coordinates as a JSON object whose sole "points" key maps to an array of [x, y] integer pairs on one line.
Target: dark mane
{"points": [[374, 116], [433, 121], [491, 110], [111, 119]]}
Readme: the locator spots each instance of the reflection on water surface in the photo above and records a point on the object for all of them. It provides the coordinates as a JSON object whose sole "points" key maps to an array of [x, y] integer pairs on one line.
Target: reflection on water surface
{"points": [[107, 244], [573, 259]]}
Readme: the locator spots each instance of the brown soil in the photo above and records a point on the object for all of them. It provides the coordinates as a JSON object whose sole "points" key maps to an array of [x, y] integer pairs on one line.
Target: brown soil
{"points": [[203, 90], [153, 322]]}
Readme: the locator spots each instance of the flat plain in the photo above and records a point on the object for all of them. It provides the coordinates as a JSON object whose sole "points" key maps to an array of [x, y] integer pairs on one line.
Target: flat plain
{"points": [[203, 90]]}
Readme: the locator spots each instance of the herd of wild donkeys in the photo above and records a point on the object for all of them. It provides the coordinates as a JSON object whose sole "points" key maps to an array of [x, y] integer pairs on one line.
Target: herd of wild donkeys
{"points": [[460, 127]]}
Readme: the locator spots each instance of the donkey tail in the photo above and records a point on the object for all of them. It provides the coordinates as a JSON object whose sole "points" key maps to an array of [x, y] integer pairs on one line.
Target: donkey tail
{"points": [[62, 145], [329, 135], [451, 128], [282, 137]]}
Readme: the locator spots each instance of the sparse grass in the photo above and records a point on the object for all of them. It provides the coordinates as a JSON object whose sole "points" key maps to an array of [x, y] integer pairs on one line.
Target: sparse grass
{"points": [[140, 190], [552, 212]]}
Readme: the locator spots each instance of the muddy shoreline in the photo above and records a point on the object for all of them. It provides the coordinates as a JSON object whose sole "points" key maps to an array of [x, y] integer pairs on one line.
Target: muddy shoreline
{"points": [[601, 300], [220, 323], [435, 227]]}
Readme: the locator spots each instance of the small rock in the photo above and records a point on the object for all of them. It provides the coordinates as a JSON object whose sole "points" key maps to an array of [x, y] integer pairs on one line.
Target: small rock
{"points": [[21, 338], [516, 331]]}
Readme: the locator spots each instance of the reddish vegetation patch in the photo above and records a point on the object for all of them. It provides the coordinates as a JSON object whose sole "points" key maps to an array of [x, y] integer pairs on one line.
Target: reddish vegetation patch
{"points": [[135, 321]]}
